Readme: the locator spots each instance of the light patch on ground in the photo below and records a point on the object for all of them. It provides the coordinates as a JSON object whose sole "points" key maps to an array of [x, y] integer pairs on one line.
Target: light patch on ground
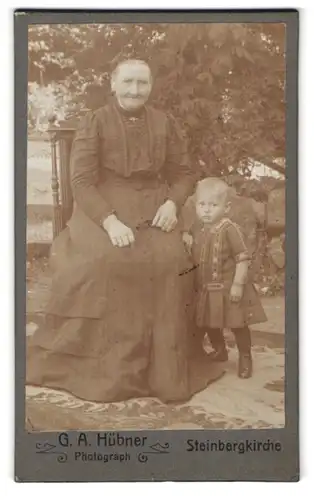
{"points": [[247, 400], [229, 403]]}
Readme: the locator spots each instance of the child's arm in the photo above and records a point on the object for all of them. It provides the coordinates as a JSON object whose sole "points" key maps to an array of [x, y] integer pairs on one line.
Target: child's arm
{"points": [[241, 255], [239, 280], [188, 241], [188, 222], [241, 271]]}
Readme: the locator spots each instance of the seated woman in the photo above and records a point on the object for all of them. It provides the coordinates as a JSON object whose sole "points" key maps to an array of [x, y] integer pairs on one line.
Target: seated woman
{"points": [[118, 319]]}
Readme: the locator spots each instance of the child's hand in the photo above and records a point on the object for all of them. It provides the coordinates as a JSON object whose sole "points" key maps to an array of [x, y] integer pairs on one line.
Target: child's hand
{"points": [[236, 292], [188, 241]]}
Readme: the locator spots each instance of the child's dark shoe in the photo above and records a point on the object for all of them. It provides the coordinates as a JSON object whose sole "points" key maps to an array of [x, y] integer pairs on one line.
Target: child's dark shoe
{"points": [[219, 355], [245, 367]]}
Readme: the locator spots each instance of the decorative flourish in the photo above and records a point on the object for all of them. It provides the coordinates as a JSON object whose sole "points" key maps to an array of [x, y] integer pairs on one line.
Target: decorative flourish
{"points": [[155, 449], [159, 448], [142, 457], [48, 448], [62, 457], [44, 447]]}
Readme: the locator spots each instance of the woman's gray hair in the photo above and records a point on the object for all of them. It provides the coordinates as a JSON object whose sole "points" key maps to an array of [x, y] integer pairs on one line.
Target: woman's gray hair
{"points": [[129, 61]]}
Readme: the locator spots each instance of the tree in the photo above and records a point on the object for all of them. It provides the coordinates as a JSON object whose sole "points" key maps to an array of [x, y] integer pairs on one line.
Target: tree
{"points": [[224, 82]]}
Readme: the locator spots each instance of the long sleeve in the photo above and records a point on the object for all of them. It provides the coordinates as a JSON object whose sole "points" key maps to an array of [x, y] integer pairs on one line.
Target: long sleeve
{"points": [[179, 175], [85, 170], [237, 244]]}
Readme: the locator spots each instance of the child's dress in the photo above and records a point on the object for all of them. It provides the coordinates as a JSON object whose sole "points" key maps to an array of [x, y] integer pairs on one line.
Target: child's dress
{"points": [[216, 250]]}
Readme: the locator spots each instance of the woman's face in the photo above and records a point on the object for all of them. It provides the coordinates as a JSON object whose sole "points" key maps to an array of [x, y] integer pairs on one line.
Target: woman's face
{"points": [[132, 84]]}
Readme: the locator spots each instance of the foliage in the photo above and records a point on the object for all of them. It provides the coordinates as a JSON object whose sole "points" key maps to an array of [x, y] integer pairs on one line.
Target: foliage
{"points": [[45, 101], [224, 82], [258, 189]]}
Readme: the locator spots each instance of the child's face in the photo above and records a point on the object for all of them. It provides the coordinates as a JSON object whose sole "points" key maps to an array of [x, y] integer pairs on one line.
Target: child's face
{"points": [[211, 206]]}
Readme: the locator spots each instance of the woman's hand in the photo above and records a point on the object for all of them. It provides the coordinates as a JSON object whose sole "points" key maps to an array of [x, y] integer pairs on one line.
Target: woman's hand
{"points": [[119, 234], [236, 292], [166, 217]]}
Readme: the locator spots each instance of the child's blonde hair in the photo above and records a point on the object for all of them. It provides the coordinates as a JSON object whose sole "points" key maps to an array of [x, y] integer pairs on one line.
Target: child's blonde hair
{"points": [[214, 185]]}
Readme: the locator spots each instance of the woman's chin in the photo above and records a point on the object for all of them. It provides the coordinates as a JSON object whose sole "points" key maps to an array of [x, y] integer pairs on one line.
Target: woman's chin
{"points": [[132, 105]]}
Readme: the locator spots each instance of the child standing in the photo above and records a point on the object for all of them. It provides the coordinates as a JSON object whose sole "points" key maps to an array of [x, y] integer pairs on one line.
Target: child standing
{"points": [[225, 296]]}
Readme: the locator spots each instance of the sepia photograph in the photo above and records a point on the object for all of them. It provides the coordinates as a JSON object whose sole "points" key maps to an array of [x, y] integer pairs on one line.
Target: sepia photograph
{"points": [[156, 226]]}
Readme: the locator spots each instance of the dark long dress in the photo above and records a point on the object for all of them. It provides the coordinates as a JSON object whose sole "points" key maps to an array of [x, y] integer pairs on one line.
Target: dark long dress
{"points": [[118, 319]]}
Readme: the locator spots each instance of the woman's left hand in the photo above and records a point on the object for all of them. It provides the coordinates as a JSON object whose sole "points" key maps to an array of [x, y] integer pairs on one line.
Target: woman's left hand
{"points": [[236, 292], [166, 217]]}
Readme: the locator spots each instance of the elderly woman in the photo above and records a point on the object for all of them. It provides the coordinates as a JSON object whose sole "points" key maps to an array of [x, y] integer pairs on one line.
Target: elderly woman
{"points": [[117, 322]]}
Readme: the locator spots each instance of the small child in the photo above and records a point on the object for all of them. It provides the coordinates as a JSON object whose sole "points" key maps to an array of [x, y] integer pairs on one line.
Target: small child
{"points": [[225, 296]]}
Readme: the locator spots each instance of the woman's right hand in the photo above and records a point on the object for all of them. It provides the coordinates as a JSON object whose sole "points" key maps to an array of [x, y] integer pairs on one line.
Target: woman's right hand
{"points": [[120, 235]]}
